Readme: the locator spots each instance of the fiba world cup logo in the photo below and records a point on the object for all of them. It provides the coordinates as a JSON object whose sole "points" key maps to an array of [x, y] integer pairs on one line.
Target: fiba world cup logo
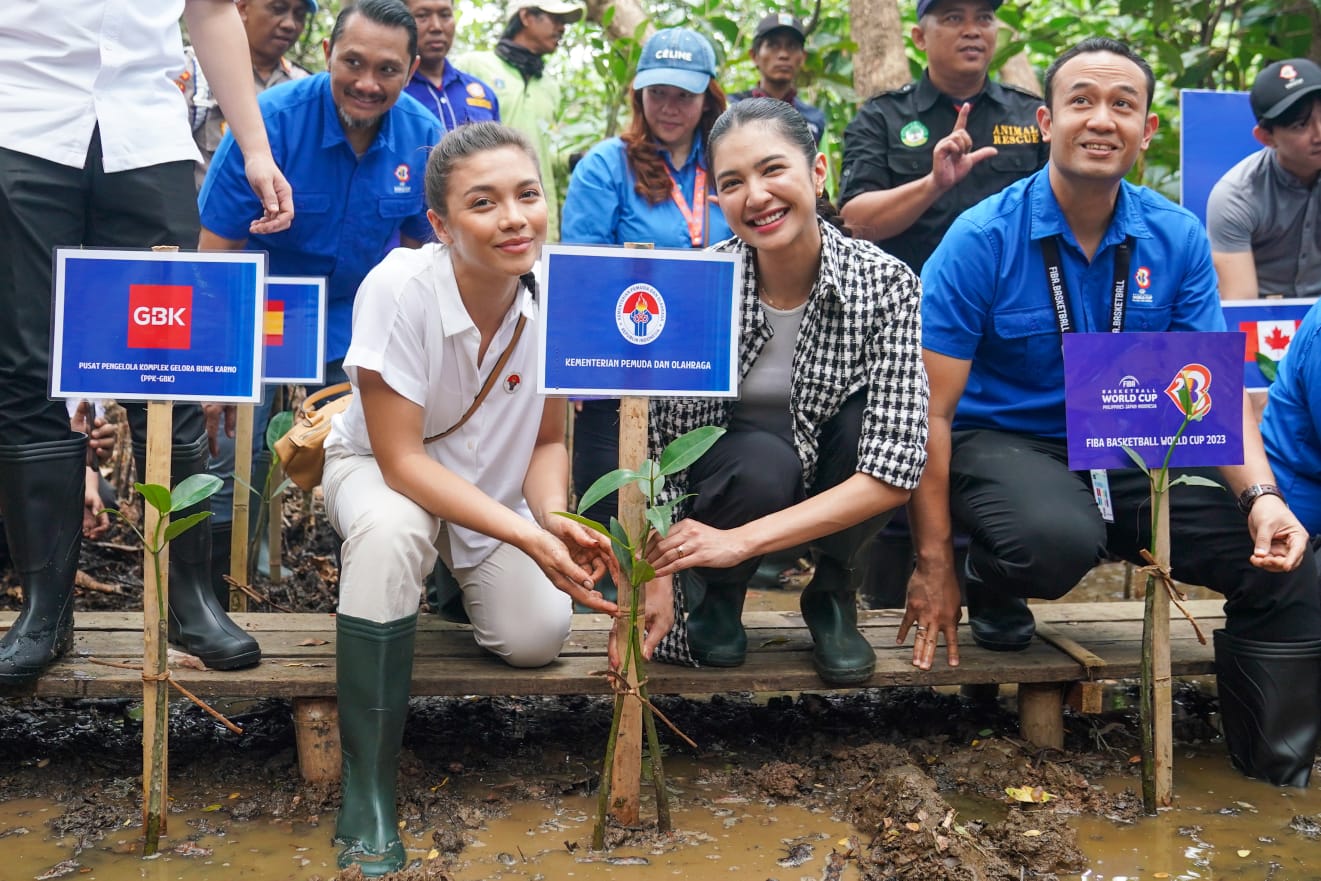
{"points": [[640, 314]]}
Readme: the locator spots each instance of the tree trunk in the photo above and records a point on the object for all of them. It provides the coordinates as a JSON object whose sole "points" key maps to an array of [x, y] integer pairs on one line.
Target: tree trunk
{"points": [[880, 63], [628, 15]]}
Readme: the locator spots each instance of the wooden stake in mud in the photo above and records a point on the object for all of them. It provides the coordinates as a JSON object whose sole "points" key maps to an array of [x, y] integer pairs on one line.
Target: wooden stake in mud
{"points": [[238, 538], [155, 605], [1157, 698], [626, 771]]}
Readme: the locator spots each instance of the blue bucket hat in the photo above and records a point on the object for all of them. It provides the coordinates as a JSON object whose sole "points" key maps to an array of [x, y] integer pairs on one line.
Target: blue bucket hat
{"points": [[676, 57]]}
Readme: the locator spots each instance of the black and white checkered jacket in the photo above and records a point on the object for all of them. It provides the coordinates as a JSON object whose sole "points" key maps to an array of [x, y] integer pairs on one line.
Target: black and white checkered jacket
{"points": [[861, 330]]}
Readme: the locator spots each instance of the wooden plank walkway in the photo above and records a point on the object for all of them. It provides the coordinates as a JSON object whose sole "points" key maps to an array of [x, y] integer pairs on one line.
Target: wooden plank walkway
{"points": [[1077, 643], [299, 656]]}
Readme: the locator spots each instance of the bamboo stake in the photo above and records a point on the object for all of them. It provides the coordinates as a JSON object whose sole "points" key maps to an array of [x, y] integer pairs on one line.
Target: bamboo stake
{"points": [[626, 767], [1157, 697], [238, 538], [155, 605]]}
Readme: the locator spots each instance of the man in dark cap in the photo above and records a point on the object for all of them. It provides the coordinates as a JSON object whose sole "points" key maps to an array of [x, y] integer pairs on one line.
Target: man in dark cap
{"points": [[1262, 215], [779, 49], [916, 157]]}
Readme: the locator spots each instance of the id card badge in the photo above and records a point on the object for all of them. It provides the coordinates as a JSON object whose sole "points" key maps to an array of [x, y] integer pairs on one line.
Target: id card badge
{"points": [[1101, 492]]}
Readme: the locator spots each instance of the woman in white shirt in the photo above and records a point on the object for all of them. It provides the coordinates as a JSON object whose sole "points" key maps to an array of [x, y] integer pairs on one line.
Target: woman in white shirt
{"points": [[427, 461]]}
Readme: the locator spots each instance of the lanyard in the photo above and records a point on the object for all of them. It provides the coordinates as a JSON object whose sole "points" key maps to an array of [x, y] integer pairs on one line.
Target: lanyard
{"points": [[695, 217], [1059, 289], [442, 105]]}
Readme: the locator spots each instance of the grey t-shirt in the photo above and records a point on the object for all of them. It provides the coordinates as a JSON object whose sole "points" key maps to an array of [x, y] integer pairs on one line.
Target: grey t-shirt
{"points": [[763, 399], [1259, 207]]}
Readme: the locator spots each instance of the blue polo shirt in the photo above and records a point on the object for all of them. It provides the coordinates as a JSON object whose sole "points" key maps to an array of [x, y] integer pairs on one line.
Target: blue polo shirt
{"points": [[461, 98], [1291, 426], [346, 208], [602, 207], [985, 298]]}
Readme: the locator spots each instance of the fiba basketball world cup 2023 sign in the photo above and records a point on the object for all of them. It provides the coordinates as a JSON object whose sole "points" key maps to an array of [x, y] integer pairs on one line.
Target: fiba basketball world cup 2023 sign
{"points": [[625, 321]]}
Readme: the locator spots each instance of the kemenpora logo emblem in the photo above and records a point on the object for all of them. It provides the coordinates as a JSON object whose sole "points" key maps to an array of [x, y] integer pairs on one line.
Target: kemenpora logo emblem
{"points": [[640, 314]]}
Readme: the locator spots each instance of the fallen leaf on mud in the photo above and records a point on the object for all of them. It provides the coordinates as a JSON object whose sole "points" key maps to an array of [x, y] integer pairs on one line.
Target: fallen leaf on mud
{"points": [[191, 849], [1161, 875], [433, 854], [302, 664], [175, 658], [59, 870], [1244, 853], [1029, 794], [913, 827], [1133, 760], [1245, 806], [313, 641], [209, 808], [1031, 833], [233, 795]]}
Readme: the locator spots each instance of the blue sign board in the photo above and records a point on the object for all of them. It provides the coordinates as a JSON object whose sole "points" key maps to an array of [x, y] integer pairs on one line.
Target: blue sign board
{"points": [[295, 330], [628, 321], [1269, 326], [1216, 134], [1122, 390], [158, 325]]}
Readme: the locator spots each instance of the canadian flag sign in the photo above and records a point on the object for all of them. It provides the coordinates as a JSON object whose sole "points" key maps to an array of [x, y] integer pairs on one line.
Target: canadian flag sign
{"points": [[1269, 326]]}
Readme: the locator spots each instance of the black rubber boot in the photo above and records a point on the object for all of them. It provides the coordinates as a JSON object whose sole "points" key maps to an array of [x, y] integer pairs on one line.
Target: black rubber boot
{"points": [[716, 637], [221, 533], [41, 493], [999, 621], [198, 621], [840, 654], [1270, 705], [373, 672]]}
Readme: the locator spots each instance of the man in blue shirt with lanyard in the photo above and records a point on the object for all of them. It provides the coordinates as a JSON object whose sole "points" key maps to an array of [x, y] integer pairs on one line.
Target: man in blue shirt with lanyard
{"points": [[454, 96], [1075, 247], [357, 148]]}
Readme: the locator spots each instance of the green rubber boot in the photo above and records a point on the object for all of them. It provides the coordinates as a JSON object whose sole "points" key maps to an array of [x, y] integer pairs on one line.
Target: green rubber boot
{"points": [[716, 637], [840, 654], [373, 671]]}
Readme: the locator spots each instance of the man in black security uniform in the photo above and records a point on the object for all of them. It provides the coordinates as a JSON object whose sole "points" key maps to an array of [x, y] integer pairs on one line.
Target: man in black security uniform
{"points": [[916, 157]]}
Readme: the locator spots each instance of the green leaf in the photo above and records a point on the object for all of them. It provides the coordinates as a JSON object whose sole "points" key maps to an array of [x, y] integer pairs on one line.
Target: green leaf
{"points": [[284, 485], [659, 522], [1185, 399], [623, 548], [642, 573], [183, 524], [155, 495], [277, 428], [585, 521], [1132, 454], [605, 485], [193, 489], [1269, 367], [688, 448], [1194, 480], [650, 480]]}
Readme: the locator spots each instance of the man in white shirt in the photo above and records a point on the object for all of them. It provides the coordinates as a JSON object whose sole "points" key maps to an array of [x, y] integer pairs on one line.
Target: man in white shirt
{"points": [[95, 149]]}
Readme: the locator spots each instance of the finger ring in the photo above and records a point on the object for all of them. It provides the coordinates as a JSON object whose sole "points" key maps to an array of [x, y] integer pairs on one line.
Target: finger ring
{"points": [[921, 628], [680, 550]]}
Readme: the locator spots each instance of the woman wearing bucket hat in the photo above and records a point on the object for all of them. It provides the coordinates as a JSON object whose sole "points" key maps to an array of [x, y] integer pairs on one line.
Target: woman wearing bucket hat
{"points": [[651, 184]]}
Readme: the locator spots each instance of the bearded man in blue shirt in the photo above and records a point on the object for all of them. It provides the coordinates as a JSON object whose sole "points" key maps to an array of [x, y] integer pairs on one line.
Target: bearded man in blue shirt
{"points": [[997, 456]]}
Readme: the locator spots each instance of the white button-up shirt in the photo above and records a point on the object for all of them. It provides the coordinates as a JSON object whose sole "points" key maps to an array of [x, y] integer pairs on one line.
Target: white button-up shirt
{"points": [[68, 65]]}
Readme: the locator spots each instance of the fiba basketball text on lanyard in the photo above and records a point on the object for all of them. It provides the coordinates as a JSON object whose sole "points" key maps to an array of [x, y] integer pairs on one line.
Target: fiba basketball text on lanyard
{"points": [[698, 215], [1059, 294]]}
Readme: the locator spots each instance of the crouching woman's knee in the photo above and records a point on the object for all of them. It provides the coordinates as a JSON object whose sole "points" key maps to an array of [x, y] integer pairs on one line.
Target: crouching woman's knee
{"points": [[386, 551]]}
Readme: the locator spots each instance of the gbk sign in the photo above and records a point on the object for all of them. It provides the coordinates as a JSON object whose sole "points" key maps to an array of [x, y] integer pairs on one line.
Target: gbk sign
{"points": [[158, 325]]}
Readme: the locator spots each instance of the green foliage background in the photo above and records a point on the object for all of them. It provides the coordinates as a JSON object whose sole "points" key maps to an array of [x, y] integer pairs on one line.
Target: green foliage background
{"points": [[1200, 44]]}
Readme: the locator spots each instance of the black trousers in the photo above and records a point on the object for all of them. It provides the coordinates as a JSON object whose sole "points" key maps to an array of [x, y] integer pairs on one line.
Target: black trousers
{"points": [[44, 205], [1036, 531], [749, 474]]}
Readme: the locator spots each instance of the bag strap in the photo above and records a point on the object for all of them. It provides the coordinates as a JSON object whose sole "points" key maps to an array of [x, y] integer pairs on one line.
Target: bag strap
{"points": [[331, 391], [486, 386]]}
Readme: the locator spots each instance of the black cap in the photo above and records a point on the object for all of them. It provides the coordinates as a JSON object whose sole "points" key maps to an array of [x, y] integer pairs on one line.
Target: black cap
{"points": [[1283, 84], [780, 21], [924, 6]]}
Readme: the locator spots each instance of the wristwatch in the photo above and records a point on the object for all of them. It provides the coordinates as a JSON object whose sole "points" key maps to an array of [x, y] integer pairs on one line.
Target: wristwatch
{"points": [[1250, 495]]}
